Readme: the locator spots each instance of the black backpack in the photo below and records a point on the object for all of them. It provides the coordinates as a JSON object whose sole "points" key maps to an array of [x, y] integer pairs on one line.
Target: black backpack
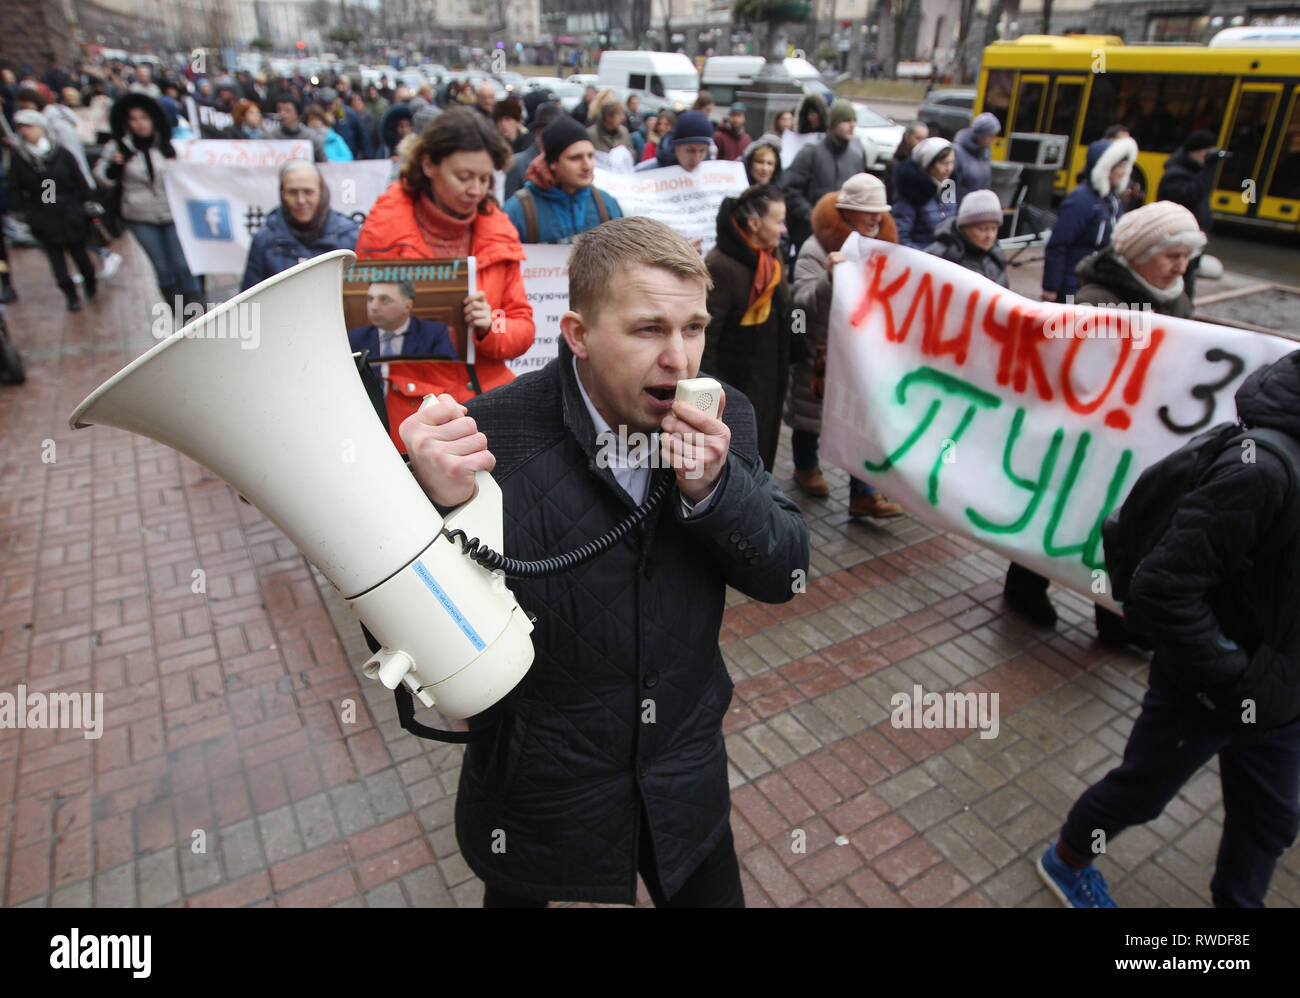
{"points": [[1129, 533]]}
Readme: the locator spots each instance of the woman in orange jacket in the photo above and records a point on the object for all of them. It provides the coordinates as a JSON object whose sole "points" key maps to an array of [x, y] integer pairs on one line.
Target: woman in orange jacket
{"points": [[441, 205]]}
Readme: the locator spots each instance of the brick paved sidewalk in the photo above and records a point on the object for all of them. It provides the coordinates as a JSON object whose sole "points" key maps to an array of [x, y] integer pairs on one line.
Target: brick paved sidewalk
{"points": [[231, 771]]}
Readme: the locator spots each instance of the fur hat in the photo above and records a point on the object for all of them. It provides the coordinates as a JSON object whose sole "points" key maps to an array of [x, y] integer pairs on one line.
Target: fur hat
{"points": [[1142, 233], [1117, 151]]}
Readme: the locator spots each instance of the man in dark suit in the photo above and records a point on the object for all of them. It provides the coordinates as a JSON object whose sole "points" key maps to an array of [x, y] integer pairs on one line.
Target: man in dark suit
{"points": [[393, 331]]}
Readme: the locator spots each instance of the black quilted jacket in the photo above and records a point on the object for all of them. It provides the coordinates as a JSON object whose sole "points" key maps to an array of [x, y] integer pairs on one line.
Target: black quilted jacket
{"points": [[549, 807], [1219, 593]]}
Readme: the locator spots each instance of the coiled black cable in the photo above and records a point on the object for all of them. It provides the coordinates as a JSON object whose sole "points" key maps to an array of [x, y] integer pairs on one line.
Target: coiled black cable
{"points": [[515, 569]]}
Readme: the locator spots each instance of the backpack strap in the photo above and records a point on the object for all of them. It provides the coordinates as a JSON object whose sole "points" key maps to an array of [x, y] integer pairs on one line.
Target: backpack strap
{"points": [[602, 209], [529, 207]]}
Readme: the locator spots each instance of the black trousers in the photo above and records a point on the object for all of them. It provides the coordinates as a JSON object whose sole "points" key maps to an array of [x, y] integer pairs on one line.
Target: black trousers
{"points": [[1029, 582], [714, 884], [1173, 737], [54, 252]]}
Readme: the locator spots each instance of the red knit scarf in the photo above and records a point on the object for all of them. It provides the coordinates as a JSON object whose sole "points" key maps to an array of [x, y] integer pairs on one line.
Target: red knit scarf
{"points": [[444, 233]]}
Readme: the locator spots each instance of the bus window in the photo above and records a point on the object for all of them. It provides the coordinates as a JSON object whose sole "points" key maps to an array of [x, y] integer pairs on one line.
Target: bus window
{"points": [[997, 94], [1160, 110], [1250, 129], [1286, 171], [1066, 108], [1028, 103]]}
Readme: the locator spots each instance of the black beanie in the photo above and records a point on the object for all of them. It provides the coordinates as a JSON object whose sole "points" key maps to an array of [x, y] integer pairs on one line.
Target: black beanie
{"points": [[559, 135], [1200, 139]]}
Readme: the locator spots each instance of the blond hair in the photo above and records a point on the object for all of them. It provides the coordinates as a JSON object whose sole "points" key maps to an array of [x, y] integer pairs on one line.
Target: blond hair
{"points": [[620, 244]]}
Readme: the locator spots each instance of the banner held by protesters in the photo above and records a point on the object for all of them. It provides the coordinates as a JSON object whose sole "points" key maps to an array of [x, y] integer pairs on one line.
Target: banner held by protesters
{"points": [[1019, 424]]}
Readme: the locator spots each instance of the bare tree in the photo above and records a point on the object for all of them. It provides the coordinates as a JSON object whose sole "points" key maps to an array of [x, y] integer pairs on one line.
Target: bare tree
{"points": [[963, 36]]}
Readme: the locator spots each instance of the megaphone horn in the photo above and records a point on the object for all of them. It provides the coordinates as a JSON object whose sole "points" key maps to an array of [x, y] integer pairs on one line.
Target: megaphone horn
{"points": [[278, 412]]}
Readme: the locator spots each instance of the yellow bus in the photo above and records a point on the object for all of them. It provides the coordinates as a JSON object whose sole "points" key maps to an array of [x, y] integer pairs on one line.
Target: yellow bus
{"points": [[1077, 86]]}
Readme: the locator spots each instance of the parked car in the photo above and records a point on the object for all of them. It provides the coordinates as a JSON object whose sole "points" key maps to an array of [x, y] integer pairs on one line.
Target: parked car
{"points": [[513, 82], [947, 111], [569, 95], [879, 135]]}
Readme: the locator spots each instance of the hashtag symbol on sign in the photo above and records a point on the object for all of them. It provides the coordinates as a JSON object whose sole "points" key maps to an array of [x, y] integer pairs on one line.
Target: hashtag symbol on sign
{"points": [[253, 218]]}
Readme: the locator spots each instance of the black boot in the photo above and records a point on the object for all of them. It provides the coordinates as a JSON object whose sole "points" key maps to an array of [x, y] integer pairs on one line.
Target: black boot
{"points": [[74, 301], [172, 297], [7, 292], [1111, 630], [1026, 592]]}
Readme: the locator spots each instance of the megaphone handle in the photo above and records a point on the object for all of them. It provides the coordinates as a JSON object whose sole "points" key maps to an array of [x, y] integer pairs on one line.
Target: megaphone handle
{"points": [[406, 716]]}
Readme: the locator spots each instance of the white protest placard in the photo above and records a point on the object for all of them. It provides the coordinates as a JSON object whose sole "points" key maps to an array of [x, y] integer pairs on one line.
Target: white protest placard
{"points": [[546, 283], [1019, 424], [242, 152], [685, 202], [792, 142], [217, 210]]}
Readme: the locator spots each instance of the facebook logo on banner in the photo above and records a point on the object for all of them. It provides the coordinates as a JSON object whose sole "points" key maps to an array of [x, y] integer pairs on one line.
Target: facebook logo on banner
{"points": [[209, 219]]}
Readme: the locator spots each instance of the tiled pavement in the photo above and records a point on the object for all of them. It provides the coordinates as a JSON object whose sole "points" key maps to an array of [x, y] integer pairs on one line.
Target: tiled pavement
{"points": [[244, 761]]}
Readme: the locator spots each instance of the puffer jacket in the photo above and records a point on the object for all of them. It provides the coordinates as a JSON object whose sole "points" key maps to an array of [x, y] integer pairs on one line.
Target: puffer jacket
{"points": [[951, 244], [1105, 279], [390, 233], [1217, 594], [756, 359], [919, 208], [812, 293], [819, 168], [561, 217], [548, 807], [276, 248], [144, 199], [973, 170], [58, 220], [1087, 216]]}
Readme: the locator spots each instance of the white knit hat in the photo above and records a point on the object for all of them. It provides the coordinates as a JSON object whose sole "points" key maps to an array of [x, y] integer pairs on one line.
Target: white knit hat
{"points": [[979, 206], [862, 192], [928, 150], [1141, 234], [29, 117]]}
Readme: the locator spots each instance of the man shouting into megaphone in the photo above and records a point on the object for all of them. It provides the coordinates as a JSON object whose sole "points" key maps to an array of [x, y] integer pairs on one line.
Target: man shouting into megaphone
{"points": [[607, 759]]}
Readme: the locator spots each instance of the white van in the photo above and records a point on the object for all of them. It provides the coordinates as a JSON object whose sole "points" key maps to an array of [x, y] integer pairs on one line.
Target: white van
{"points": [[725, 75], [658, 78]]}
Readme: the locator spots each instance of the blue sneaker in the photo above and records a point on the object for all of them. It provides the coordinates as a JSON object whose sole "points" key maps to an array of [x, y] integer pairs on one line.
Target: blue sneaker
{"points": [[1074, 887]]}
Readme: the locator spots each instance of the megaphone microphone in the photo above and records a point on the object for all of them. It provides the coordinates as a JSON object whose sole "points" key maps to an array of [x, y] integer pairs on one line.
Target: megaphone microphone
{"points": [[278, 412]]}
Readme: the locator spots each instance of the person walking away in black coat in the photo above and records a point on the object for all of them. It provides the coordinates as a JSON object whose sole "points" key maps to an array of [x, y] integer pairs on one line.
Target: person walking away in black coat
{"points": [[1187, 180], [607, 759], [748, 340], [1217, 596], [48, 186]]}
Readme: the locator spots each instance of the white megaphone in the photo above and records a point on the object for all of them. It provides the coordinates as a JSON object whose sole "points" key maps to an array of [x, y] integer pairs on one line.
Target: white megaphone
{"points": [[263, 390]]}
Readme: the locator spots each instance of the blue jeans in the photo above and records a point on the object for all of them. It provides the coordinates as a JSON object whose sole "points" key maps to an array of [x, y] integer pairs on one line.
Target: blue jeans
{"points": [[803, 445], [1174, 737], [163, 247]]}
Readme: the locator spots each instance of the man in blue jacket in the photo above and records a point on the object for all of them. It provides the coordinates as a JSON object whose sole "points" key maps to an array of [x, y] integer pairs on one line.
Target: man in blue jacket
{"points": [[394, 331], [558, 201]]}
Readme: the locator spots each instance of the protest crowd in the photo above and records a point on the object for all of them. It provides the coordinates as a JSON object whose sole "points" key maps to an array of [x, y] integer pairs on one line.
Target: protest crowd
{"points": [[469, 175]]}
